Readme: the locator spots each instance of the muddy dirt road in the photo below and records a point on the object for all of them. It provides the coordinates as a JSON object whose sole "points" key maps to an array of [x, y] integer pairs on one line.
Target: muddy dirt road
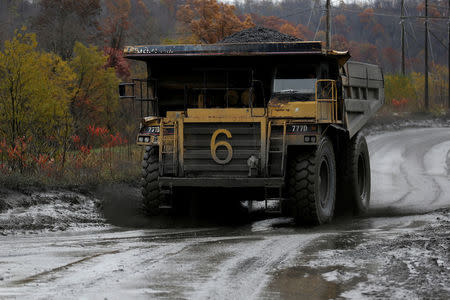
{"points": [[401, 250]]}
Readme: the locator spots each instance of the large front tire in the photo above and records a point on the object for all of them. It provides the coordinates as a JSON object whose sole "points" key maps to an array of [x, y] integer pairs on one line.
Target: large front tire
{"points": [[150, 188], [312, 184]]}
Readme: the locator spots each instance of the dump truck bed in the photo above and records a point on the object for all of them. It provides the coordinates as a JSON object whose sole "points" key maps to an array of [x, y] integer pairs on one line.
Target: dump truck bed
{"points": [[363, 93]]}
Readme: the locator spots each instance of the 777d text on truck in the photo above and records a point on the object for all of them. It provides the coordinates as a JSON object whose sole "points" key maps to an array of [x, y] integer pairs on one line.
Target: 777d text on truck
{"points": [[254, 121]]}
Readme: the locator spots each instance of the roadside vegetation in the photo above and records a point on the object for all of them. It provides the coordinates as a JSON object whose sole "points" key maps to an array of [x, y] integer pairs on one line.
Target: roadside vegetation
{"points": [[60, 120], [405, 94]]}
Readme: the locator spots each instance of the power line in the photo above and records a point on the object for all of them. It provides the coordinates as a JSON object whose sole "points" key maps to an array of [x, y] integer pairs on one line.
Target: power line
{"points": [[373, 13], [391, 15], [438, 39], [313, 8], [296, 13], [318, 25], [431, 47]]}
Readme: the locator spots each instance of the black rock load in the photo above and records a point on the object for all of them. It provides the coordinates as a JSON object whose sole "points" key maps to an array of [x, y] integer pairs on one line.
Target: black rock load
{"points": [[258, 34]]}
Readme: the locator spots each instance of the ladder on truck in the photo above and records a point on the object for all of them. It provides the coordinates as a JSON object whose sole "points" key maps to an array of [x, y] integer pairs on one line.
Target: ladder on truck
{"points": [[168, 151], [169, 144], [273, 140], [276, 147]]}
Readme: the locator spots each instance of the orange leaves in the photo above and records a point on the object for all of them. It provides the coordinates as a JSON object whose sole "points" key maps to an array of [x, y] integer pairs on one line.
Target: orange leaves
{"points": [[433, 10], [76, 139], [340, 20], [366, 16], [101, 137], [210, 20], [17, 154], [45, 164], [339, 42], [115, 140], [117, 61], [2, 145], [97, 131], [85, 150], [399, 103], [378, 29], [364, 52]]}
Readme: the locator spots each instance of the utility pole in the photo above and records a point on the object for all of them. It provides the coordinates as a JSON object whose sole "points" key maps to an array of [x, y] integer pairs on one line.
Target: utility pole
{"points": [[328, 37], [403, 37], [448, 49], [426, 99]]}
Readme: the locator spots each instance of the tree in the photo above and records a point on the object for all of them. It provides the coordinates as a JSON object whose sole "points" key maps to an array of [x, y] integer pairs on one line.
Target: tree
{"points": [[340, 22], [95, 99], [339, 42], [116, 23], [210, 21], [35, 89], [60, 23]]}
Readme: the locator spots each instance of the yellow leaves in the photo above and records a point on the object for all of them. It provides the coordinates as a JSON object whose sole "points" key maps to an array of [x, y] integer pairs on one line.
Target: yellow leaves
{"points": [[44, 97], [399, 87], [96, 86], [35, 89], [411, 88]]}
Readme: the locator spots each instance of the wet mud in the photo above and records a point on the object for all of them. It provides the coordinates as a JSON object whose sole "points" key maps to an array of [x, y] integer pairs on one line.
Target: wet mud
{"points": [[399, 250]]}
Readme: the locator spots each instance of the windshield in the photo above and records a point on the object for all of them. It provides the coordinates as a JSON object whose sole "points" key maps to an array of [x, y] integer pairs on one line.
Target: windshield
{"points": [[294, 85]]}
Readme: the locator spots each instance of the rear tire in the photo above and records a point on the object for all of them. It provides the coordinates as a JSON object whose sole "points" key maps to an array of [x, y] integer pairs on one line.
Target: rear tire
{"points": [[150, 188], [357, 175], [312, 184]]}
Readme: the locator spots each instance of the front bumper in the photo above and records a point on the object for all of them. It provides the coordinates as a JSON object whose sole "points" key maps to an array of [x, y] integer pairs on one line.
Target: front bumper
{"points": [[221, 182]]}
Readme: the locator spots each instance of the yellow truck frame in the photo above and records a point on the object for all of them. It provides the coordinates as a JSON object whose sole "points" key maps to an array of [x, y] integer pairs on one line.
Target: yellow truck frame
{"points": [[309, 152]]}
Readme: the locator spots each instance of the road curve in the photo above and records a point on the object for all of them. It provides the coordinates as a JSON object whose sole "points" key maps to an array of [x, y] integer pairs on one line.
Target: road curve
{"points": [[410, 169], [264, 259]]}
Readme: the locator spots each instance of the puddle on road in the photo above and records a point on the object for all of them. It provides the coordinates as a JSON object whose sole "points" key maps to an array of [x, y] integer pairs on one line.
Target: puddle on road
{"points": [[308, 283]]}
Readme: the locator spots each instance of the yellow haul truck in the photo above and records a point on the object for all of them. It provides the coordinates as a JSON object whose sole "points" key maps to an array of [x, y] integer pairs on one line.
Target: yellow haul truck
{"points": [[254, 121]]}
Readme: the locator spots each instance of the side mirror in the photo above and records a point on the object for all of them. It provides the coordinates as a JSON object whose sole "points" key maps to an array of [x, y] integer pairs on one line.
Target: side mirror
{"points": [[125, 92], [121, 90]]}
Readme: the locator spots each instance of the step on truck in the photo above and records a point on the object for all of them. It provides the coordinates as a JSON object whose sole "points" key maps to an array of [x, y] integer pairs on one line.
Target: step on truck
{"points": [[254, 121]]}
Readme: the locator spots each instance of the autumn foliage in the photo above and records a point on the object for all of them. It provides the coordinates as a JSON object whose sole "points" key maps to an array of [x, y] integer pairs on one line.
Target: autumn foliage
{"points": [[48, 108], [210, 20]]}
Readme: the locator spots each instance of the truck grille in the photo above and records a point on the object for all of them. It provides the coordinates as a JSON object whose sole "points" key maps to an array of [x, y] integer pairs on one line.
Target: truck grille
{"points": [[245, 141]]}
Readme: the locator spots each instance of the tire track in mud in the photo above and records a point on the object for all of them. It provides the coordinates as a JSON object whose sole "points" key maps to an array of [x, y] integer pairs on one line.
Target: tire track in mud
{"points": [[399, 173], [58, 269], [245, 274], [128, 257]]}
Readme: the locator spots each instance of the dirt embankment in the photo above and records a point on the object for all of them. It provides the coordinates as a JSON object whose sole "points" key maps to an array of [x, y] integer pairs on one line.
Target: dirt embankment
{"points": [[54, 211], [395, 122]]}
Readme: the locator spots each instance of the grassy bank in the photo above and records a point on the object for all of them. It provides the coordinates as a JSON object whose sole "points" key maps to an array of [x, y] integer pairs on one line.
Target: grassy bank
{"points": [[80, 169]]}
